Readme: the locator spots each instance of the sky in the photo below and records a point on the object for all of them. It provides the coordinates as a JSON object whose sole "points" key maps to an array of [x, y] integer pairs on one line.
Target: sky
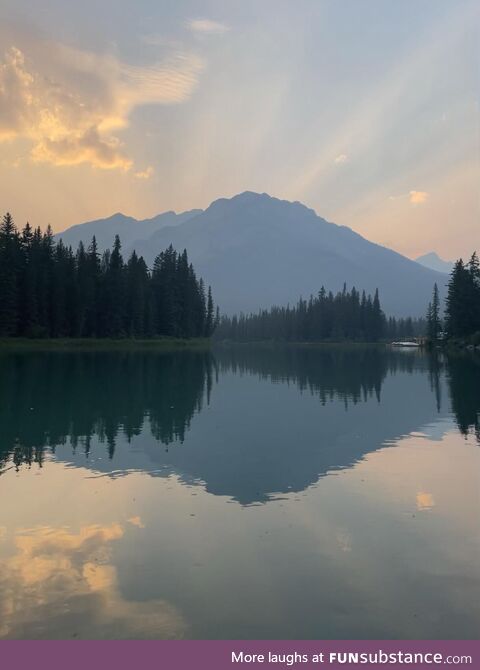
{"points": [[365, 110]]}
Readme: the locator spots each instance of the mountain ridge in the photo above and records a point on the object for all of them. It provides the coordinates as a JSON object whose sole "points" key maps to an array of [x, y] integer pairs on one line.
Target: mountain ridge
{"points": [[129, 228], [256, 250]]}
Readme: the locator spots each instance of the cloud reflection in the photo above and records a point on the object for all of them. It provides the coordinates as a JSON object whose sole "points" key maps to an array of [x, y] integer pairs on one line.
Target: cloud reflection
{"points": [[62, 584], [425, 501]]}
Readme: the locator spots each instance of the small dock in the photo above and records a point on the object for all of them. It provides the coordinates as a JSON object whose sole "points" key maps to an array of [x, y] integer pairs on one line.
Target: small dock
{"points": [[411, 342]]}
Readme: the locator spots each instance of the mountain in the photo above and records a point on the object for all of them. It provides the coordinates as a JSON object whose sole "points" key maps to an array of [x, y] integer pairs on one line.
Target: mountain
{"points": [[129, 229], [256, 251], [434, 262]]}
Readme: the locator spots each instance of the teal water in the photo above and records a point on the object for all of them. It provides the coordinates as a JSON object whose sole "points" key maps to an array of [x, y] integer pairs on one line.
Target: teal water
{"points": [[323, 492]]}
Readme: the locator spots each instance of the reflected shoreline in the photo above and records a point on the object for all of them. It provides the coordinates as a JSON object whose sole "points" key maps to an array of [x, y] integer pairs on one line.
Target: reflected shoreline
{"points": [[51, 399]]}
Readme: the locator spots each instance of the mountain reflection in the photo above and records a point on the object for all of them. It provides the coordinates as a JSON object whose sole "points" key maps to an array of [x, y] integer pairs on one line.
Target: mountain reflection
{"points": [[259, 439]]}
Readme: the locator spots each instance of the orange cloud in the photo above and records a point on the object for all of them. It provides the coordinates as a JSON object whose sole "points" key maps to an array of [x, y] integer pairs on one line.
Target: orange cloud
{"points": [[145, 174], [418, 197], [207, 26], [136, 521], [70, 104]]}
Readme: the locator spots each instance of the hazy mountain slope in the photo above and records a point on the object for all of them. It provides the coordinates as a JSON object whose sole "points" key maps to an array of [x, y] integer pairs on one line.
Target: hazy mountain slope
{"points": [[127, 227], [434, 262], [256, 251]]}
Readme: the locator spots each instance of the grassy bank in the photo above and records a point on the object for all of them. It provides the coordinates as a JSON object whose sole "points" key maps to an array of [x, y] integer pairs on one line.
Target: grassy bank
{"points": [[472, 342], [101, 344], [275, 344]]}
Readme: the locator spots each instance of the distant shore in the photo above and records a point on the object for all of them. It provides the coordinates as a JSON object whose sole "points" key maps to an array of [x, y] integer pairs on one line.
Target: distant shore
{"points": [[270, 344], [65, 344]]}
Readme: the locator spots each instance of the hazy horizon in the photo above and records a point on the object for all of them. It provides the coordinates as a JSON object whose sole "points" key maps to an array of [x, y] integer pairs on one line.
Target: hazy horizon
{"points": [[365, 112]]}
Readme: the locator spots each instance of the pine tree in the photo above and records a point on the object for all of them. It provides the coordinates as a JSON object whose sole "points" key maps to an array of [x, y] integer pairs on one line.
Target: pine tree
{"points": [[433, 317], [201, 309], [90, 290], [46, 264], [28, 304], [83, 292], [9, 266], [456, 312], [473, 267], [114, 292], [378, 319], [209, 323], [136, 295]]}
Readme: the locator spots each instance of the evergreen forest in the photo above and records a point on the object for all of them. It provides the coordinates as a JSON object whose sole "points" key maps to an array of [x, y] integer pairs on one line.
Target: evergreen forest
{"points": [[348, 315], [461, 319], [47, 290], [462, 310]]}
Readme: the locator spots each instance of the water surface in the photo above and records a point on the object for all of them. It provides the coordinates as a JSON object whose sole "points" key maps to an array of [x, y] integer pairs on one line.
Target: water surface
{"points": [[315, 492]]}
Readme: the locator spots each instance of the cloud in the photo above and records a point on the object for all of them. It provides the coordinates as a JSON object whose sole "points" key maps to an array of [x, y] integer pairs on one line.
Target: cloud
{"points": [[342, 158], [206, 26], [418, 197], [415, 197], [84, 147], [136, 521], [145, 174], [70, 104]]}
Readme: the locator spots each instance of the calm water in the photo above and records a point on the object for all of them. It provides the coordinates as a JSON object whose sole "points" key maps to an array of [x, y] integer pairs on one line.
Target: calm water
{"points": [[249, 493]]}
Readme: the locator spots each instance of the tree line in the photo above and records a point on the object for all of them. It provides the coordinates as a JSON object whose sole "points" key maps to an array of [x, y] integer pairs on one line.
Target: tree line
{"points": [[461, 320], [405, 328], [348, 315], [48, 290]]}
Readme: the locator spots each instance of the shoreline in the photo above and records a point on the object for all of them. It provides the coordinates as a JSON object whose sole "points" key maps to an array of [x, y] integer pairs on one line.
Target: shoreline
{"points": [[76, 344]]}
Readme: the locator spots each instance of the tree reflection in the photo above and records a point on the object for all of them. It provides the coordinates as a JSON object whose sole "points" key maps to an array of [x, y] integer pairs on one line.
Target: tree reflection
{"points": [[352, 373], [49, 398], [463, 374], [54, 398]]}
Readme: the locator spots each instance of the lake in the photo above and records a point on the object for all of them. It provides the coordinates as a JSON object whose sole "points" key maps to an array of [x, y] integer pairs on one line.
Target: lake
{"points": [[249, 492]]}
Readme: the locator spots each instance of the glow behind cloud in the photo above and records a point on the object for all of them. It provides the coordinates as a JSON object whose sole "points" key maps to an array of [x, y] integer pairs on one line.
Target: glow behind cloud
{"points": [[70, 117]]}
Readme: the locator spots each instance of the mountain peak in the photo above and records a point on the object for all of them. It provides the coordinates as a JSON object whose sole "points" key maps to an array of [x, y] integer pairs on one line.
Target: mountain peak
{"points": [[261, 200], [433, 261], [240, 198], [430, 255], [119, 216]]}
